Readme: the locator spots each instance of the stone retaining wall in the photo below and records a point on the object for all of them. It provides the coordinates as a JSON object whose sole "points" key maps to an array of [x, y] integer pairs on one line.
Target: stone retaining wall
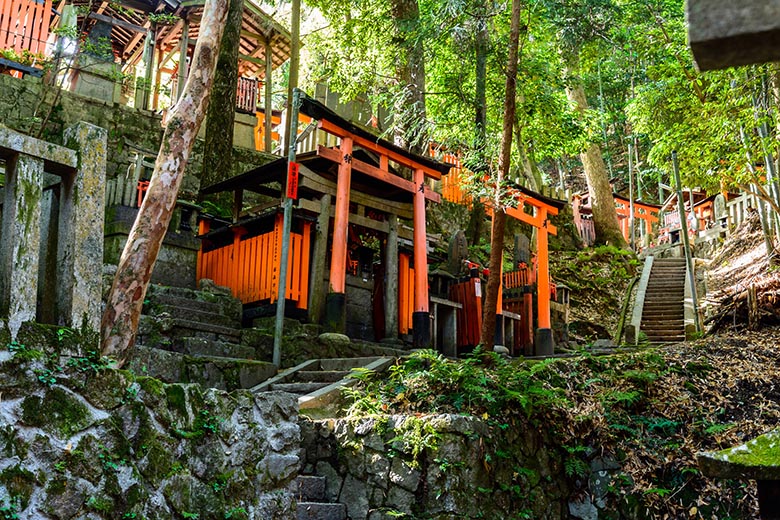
{"points": [[79, 440], [444, 466]]}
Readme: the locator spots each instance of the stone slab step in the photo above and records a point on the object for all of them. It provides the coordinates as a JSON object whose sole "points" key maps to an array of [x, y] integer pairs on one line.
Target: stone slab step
{"points": [[207, 347], [309, 488], [188, 313], [298, 388], [321, 511], [666, 339], [206, 330], [321, 376], [184, 303], [347, 363]]}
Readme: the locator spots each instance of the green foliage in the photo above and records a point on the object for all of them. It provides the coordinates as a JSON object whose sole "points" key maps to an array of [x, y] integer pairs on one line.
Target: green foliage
{"points": [[163, 18], [10, 510]]}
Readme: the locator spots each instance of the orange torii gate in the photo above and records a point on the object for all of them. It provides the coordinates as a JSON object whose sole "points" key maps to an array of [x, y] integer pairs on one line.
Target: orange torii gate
{"points": [[422, 168], [543, 208], [647, 213]]}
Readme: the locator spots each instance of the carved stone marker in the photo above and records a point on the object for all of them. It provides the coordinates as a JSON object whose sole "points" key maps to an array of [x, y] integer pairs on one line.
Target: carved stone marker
{"points": [[522, 250], [725, 33]]}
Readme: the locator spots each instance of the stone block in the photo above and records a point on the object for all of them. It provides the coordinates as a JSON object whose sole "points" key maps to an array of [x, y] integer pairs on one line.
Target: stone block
{"points": [[724, 33]]}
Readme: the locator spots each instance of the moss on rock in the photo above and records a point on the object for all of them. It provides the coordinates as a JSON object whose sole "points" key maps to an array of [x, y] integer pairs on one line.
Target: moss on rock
{"points": [[56, 412]]}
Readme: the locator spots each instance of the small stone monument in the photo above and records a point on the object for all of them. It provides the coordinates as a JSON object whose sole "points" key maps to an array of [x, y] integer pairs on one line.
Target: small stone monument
{"points": [[457, 253], [522, 249]]}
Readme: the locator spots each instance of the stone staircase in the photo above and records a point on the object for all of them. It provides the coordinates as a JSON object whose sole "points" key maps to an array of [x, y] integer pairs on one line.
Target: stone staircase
{"points": [[195, 336], [319, 382], [663, 314], [310, 492]]}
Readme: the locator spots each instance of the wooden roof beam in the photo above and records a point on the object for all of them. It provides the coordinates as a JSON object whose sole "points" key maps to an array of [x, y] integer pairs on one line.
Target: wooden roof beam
{"points": [[331, 128], [377, 173]]}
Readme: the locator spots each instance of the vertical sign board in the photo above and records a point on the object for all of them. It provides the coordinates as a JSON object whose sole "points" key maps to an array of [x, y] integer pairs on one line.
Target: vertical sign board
{"points": [[292, 181]]}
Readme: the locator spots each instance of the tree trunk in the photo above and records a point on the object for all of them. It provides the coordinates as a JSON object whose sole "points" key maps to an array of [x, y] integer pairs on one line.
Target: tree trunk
{"points": [[605, 219], [499, 216], [218, 148], [123, 309], [476, 223], [410, 127]]}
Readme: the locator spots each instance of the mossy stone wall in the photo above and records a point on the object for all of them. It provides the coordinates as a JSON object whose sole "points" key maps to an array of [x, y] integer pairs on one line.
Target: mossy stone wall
{"points": [[79, 439]]}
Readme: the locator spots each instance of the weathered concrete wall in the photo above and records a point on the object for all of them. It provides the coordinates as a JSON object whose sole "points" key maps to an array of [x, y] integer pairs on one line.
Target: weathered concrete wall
{"points": [[177, 259], [444, 466], [27, 101], [79, 440]]}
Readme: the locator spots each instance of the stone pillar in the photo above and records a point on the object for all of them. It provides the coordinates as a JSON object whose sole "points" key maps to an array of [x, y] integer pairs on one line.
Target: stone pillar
{"points": [[391, 280], [21, 240], [319, 261], [80, 251]]}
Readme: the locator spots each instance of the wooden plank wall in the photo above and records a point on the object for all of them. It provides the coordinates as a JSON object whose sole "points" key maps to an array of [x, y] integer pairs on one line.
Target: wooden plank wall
{"points": [[24, 25], [250, 267]]}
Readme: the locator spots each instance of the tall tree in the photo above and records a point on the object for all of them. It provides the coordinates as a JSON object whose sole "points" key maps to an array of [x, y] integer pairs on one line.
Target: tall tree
{"points": [[218, 146], [578, 22], [488, 331], [410, 115], [125, 299]]}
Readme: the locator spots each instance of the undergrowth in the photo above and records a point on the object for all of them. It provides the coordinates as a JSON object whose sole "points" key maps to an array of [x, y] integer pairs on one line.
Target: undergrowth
{"points": [[644, 411]]}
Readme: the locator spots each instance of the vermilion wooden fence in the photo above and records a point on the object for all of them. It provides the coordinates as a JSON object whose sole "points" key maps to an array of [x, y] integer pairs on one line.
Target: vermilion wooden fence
{"points": [[405, 293], [24, 25], [250, 266]]}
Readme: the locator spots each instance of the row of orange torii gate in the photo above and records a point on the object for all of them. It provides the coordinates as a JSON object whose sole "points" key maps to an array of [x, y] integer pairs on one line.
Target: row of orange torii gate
{"points": [[357, 185]]}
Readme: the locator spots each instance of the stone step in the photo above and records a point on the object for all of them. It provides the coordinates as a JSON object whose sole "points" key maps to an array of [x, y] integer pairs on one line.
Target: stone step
{"points": [[662, 331], [309, 488], [346, 363], [208, 371], [321, 511], [671, 338], [321, 376], [196, 329], [191, 314], [298, 388], [207, 347], [184, 303]]}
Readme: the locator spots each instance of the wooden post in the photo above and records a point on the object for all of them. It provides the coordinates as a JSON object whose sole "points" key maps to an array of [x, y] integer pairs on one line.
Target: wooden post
{"points": [[421, 321], [269, 113], [319, 261], [157, 79], [544, 340], [391, 279], [184, 44], [335, 302]]}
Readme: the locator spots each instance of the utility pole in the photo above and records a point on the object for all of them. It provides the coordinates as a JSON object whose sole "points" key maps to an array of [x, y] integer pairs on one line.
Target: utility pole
{"points": [[288, 201]]}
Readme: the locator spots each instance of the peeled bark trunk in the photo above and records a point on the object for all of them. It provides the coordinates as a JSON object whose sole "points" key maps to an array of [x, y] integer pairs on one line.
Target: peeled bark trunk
{"points": [[487, 334], [125, 300], [605, 221], [218, 148]]}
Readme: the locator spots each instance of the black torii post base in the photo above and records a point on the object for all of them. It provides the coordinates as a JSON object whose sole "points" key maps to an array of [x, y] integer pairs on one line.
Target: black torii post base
{"points": [[421, 329], [498, 337], [335, 313], [544, 345], [769, 499]]}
